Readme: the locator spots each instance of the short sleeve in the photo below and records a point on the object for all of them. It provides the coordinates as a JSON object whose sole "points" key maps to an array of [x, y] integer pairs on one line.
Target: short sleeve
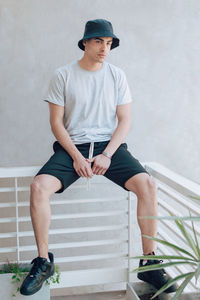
{"points": [[55, 92], [124, 94]]}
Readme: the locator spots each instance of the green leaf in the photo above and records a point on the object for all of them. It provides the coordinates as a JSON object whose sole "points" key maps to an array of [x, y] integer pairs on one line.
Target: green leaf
{"points": [[188, 238], [197, 272], [169, 245], [161, 266], [55, 277], [170, 283], [194, 197], [172, 217], [195, 238], [162, 257], [182, 286]]}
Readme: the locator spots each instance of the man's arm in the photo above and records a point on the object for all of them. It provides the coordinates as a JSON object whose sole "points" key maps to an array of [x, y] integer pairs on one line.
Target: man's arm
{"points": [[124, 123], [101, 162], [56, 121]]}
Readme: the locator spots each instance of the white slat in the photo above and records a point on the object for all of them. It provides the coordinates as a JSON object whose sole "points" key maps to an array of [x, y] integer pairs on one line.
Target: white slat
{"points": [[87, 257], [69, 216], [65, 201], [68, 230], [66, 245]]}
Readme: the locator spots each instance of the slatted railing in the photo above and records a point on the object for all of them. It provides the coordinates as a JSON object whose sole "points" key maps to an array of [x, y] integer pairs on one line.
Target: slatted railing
{"points": [[90, 234], [93, 233], [174, 197]]}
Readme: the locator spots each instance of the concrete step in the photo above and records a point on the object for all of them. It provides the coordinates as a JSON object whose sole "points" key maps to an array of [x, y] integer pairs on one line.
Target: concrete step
{"points": [[94, 296]]}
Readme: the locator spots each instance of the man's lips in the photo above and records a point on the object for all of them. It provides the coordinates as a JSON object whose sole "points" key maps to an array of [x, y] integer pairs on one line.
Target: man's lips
{"points": [[102, 55]]}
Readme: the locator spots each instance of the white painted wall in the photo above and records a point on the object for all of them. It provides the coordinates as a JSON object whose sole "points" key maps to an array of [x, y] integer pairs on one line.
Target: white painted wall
{"points": [[159, 51]]}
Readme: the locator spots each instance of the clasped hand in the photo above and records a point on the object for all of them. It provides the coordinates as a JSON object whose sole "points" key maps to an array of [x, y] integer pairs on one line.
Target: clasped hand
{"points": [[100, 165]]}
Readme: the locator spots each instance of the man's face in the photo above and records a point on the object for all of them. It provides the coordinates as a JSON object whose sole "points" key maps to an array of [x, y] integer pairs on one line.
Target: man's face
{"points": [[98, 48]]}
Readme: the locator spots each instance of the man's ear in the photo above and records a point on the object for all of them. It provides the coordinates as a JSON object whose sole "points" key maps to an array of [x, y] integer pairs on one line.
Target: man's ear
{"points": [[84, 42]]}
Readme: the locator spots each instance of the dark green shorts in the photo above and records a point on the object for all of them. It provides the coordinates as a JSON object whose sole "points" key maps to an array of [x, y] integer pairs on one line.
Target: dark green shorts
{"points": [[123, 165]]}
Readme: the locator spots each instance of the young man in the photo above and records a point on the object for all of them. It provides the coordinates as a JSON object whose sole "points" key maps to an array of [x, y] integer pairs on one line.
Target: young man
{"points": [[90, 105]]}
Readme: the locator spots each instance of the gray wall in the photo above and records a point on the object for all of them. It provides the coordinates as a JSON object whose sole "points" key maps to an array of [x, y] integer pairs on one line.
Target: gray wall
{"points": [[159, 52]]}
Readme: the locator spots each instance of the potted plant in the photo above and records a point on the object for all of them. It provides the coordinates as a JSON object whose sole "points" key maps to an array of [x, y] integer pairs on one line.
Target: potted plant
{"points": [[190, 257], [11, 277]]}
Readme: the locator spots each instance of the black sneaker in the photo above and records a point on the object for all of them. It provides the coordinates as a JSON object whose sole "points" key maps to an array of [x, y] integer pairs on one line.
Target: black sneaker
{"points": [[158, 278], [40, 271]]}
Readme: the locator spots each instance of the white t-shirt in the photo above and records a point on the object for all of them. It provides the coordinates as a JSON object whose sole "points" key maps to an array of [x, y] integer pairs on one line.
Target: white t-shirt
{"points": [[90, 99]]}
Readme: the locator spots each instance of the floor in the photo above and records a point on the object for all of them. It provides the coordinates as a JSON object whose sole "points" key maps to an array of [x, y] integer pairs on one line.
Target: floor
{"points": [[94, 296]]}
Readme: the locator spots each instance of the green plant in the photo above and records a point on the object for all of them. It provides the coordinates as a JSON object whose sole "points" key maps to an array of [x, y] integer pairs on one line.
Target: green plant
{"points": [[21, 272], [190, 257], [56, 276]]}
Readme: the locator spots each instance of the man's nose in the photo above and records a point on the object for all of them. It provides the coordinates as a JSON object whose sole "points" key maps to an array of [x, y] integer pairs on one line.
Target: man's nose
{"points": [[103, 47]]}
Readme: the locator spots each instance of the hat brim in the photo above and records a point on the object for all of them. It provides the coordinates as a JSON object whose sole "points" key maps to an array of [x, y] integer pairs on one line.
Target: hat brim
{"points": [[115, 42]]}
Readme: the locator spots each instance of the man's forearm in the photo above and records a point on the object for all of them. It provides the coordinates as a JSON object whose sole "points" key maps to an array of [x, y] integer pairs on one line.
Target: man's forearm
{"points": [[118, 136], [64, 139]]}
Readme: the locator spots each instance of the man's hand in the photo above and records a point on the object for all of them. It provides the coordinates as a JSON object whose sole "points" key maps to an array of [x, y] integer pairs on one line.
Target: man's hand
{"points": [[83, 167], [101, 164]]}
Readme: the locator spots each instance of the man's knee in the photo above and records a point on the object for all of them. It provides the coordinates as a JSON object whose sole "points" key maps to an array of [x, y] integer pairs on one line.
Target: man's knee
{"points": [[151, 185], [142, 185], [38, 187], [45, 185], [148, 190]]}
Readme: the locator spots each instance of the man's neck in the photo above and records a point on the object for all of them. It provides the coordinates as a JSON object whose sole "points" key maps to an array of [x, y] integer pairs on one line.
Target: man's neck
{"points": [[89, 65]]}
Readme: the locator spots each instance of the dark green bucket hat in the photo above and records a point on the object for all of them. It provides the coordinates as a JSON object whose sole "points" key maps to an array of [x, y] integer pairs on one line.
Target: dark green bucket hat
{"points": [[98, 28]]}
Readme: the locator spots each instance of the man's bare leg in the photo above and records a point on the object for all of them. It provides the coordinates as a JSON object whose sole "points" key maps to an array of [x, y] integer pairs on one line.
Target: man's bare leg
{"points": [[42, 187], [145, 189]]}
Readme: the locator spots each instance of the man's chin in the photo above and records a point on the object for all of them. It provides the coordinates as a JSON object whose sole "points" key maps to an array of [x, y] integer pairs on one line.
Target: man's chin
{"points": [[101, 59]]}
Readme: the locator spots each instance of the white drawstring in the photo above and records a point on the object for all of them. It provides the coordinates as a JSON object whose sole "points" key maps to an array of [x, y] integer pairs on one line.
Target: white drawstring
{"points": [[91, 151]]}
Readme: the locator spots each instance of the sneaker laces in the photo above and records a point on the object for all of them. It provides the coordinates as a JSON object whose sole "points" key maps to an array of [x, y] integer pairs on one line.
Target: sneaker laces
{"points": [[154, 261], [38, 265], [157, 261]]}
